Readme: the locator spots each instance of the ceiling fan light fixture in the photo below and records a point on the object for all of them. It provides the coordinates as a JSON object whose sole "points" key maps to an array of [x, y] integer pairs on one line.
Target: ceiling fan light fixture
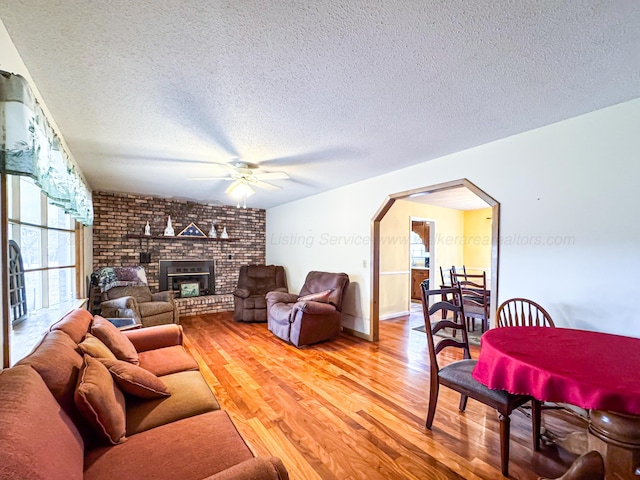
{"points": [[240, 190]]}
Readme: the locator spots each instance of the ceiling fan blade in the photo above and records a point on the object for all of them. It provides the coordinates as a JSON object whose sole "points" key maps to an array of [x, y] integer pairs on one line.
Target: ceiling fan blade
{"points": [[271, 176], [265, 185]]}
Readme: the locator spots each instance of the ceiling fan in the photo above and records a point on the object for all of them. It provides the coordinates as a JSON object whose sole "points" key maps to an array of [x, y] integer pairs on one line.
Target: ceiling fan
{"points": [[243, 177]]}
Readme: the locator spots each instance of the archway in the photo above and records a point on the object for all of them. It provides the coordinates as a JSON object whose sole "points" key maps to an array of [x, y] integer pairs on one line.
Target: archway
{"points": [[375, 235]]}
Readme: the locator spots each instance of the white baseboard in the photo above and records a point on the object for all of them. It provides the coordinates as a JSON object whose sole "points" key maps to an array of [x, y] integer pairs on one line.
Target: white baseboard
{"points": [[394, 315]]}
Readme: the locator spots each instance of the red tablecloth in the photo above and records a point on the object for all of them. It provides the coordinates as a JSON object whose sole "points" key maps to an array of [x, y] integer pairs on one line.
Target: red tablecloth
{"points": [[589, 369]]}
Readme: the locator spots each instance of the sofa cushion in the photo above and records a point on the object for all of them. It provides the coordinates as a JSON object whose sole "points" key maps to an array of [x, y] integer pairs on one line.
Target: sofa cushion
{"points": [[75, 324], [322, 297], [167, 360], [58, 362], [134, 380], [254, 469], [152, 338], [114, 339], [213, 445], [100, 401], [94, 347], [38, 439], [190, 396]]}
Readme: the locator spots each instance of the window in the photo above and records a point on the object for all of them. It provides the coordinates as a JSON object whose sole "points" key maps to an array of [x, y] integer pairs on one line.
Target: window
{"points": [[46, 237]]}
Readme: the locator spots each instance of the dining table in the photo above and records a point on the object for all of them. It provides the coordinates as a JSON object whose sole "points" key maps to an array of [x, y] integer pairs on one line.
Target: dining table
{"points": [[596, 371]]}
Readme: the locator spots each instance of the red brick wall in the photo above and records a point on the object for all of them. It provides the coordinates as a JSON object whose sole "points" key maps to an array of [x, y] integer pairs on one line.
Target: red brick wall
{"points": [[119, 214]]}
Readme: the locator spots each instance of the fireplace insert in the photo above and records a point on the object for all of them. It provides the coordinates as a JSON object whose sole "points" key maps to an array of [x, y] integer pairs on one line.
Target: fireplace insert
{"points": [[175, 273]]}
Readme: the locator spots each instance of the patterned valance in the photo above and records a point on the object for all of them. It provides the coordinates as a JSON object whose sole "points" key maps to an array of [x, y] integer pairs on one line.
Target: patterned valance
{"points": [[29, 146]]}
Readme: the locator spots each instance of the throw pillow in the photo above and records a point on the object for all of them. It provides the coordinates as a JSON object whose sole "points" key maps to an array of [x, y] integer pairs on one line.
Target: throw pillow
{"points": [[100, 401], [115, 340], [322, 297], [93, 346], [135, 380]]}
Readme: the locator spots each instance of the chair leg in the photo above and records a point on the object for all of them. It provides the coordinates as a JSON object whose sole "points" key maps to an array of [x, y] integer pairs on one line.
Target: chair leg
{"points": [[505, 431], [536, 422], [463, 402], [433, 400]]}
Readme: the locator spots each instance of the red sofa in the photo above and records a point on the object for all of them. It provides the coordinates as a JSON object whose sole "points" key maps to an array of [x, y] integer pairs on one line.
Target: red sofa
{"points": [[185, 435]]}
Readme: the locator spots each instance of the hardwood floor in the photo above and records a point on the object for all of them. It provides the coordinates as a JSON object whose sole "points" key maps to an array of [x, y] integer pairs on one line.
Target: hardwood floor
{"points": [[350, 409]]}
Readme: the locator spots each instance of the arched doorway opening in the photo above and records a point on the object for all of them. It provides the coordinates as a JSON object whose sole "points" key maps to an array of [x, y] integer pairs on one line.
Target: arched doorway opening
{"points": [[424, 191]]}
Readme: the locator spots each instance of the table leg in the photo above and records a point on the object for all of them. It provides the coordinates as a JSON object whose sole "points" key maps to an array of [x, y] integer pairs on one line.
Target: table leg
{"points": [[617, 437], [614, 441], [589, 466]]}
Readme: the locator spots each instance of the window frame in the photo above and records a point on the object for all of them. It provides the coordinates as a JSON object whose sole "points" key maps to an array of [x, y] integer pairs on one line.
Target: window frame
{"points": [[14, 227]]}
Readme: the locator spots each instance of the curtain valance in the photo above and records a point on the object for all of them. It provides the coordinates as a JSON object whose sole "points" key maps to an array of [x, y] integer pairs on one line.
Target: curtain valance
{"points": [[29, 146]]}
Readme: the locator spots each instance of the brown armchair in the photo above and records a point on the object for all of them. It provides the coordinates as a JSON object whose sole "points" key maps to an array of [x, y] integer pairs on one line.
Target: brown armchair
{"points": [[254, 282], [312, 316], [138, 302]]}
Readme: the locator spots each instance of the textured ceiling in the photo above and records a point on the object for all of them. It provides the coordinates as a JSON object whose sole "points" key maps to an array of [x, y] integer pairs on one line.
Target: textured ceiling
{"points": [[329, 91]]}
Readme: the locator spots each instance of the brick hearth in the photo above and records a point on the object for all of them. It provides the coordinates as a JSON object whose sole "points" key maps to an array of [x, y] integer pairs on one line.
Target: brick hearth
{"points": [[204, 304]]}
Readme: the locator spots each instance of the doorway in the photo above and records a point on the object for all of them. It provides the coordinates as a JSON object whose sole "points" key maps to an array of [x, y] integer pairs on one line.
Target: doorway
{"points": [[421, 254], [449, 191]]}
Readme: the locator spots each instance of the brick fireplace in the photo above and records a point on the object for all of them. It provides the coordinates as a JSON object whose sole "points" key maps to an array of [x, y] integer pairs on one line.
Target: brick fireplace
{"points": [[119, 220]]}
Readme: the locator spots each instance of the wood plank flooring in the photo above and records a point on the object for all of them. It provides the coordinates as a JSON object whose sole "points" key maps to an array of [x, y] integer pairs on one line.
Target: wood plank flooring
{"points": [[350, 409]]}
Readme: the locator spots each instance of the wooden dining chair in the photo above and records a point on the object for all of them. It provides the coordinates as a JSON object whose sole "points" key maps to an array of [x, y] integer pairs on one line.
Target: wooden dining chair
{"points": [[457, 375], [475, 296], [454, 270], [444, 283], [522, 312]]}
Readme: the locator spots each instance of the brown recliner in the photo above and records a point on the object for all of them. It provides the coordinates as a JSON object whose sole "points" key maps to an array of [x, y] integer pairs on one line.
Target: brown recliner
{"points": [[254, 282], [312, 316], [136, 301]]}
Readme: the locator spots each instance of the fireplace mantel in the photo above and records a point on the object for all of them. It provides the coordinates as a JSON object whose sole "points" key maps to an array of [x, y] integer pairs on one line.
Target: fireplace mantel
{"points": [[177, 238]]}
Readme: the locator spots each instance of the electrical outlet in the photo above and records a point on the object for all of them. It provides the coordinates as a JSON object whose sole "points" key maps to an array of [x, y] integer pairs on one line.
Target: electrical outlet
{"points": [[364, 264], [229, 257]]}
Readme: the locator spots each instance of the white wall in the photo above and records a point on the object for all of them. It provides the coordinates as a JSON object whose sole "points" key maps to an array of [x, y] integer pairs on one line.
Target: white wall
{"points": [[569, 218]]}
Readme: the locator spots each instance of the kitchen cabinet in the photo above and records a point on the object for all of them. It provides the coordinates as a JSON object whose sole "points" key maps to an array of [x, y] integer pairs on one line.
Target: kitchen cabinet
{"points": [[417, 276], [422, 230]]}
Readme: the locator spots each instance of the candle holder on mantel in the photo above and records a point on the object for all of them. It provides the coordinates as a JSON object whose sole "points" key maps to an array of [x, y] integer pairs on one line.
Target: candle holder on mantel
{"points": [[212, 232], [224, 233]]}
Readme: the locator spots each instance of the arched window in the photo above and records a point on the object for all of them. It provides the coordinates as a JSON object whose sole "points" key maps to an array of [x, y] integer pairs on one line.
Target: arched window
{"points": [[17, 290]]}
